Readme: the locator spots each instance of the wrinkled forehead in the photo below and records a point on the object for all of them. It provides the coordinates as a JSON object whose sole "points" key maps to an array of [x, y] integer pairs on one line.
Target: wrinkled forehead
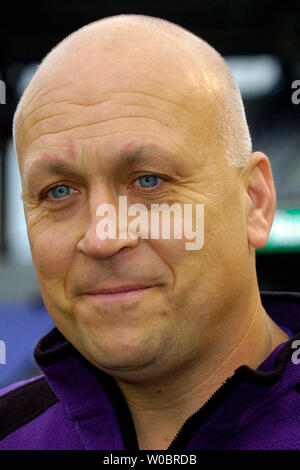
{"points": [[104, 89]]}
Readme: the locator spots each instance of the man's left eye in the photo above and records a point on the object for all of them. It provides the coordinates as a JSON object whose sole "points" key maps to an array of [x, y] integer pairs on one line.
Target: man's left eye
{"points": [[149, 181]]}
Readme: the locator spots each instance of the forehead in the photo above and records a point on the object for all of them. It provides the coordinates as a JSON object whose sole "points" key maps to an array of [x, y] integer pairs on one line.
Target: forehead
{"points": [[132, 68], [68, 159], [115, 92], [95, 69]]}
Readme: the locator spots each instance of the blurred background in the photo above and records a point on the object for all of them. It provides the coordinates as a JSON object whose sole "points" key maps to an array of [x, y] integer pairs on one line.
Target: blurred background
{"points": [[260, 41]]}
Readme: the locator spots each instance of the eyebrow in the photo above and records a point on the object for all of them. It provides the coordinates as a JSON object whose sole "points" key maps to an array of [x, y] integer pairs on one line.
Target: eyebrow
{"points": [[51, 167], [150, 153], [142, 153]]}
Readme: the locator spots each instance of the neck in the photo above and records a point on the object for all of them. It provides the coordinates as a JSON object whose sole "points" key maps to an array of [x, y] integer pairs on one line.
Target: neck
{"points": [[160, 409]]}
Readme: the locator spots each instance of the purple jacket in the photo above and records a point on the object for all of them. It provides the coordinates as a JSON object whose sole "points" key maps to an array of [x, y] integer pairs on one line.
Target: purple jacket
{"points": [[73, 405]]}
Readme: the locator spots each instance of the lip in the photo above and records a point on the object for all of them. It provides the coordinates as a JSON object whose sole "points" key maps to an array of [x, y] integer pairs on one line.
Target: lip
{"points": [[119, 294], [121, 289]]}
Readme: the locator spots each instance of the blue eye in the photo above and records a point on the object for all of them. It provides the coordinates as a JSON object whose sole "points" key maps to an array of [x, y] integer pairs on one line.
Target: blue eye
{"points": [[59, 192], [149, 180]]}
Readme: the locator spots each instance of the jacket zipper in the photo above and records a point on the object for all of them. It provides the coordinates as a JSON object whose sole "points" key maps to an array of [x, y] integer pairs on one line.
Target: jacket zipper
{"points": [[201, 411]]}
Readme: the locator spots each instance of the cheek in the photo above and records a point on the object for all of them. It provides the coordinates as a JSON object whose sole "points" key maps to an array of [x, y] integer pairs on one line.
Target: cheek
{"points": [[52, 251], [186, 265], [208, 268]]}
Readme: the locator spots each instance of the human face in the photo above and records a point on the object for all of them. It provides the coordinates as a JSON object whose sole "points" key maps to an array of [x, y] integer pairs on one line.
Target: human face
{"points": [[123, 118]]}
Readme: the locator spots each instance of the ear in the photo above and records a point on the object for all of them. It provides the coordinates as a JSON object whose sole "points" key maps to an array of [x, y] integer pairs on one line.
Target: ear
{"points": [[261, 199]]}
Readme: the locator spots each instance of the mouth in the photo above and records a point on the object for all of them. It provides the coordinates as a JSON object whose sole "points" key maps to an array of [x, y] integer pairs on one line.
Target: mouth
{"points": [[118, 293]]}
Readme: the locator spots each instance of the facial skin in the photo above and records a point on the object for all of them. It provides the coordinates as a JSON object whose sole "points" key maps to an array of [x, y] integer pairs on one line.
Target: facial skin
{"points": [[86, 116]]}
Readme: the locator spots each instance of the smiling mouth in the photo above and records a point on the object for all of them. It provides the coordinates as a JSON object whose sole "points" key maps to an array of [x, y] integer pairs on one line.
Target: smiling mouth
{"points": [[119, 294]]}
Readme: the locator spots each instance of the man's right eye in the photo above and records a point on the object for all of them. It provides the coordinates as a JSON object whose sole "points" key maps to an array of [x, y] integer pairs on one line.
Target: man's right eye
{"points": [[58, 192]]}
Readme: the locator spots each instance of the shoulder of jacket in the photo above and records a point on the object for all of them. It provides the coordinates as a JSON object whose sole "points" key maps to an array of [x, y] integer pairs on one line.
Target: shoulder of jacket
{"points": [[23, 404]]}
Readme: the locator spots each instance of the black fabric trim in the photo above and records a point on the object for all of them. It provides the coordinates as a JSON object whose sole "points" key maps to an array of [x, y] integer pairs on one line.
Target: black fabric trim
{"points": [[53, 347], [267, 295], [265, 378], [122, 411], [23, 404]]}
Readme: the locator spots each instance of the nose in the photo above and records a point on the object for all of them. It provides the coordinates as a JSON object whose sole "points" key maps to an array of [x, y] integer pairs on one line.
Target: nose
{"points": [[104, 238]]}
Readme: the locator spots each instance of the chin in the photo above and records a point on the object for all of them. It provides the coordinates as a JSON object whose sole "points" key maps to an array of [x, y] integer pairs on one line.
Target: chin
{"points": [[119, 359]]}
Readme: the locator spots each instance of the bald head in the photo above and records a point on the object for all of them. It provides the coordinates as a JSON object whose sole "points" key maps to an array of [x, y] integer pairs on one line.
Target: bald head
{"points": [[195, 72]]}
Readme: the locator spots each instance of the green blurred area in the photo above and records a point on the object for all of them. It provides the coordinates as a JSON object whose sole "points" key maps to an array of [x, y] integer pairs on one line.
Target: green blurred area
{"points": [[285, 232]]}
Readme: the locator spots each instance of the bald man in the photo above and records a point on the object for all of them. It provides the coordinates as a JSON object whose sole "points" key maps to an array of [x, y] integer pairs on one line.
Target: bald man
{"points": [[156, 346]]}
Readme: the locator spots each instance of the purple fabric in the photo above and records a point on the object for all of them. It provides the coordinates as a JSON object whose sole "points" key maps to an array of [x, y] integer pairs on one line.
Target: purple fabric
{"points": [[252, 416], [256, 418]]}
